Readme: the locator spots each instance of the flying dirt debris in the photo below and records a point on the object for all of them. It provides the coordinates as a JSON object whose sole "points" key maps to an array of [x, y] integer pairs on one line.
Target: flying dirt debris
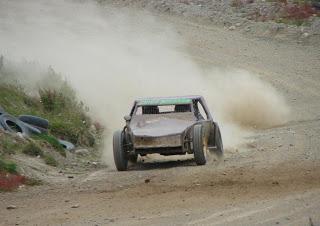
{"points": [[167, 126]]}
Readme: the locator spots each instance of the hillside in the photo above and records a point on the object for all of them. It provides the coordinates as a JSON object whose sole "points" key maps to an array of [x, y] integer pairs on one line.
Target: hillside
{"points": [[53, 99]]}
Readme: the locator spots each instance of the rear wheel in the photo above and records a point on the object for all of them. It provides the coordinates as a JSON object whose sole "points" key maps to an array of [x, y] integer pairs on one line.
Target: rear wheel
{"points": [[119, 154], [198, 146]]}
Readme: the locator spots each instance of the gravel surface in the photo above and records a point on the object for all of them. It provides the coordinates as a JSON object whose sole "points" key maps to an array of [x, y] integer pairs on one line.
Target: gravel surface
{"points": [[252, 17]]}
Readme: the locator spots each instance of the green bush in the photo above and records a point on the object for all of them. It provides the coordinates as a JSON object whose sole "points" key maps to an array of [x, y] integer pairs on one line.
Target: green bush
{"points": [[49, 160], [32, 149], [52, 100], [7, 166]]}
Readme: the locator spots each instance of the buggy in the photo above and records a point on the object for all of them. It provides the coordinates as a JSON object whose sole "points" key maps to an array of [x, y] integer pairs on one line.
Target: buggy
{"points": [[167, 126]]}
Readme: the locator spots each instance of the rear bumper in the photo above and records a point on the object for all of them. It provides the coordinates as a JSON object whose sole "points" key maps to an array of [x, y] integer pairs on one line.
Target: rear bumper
{"points": [[161, 151], [145, 142]]}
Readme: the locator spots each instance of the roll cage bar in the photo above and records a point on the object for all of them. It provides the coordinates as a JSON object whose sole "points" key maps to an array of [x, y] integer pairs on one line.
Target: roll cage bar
{"points": [[195, 100]]}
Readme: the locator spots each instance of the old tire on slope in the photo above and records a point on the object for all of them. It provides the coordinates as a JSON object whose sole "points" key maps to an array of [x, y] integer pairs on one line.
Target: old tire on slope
{"points": [[218, 140], [199, 155], [42, 130], [14, 125], [119, 154], [66, 144], [35, 121]]}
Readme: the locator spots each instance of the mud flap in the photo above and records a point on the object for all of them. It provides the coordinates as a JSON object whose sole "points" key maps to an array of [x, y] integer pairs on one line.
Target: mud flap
{"points": [[215, 144]]}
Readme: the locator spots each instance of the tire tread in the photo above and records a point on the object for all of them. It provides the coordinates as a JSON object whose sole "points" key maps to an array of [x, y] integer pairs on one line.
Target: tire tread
{"points": [[120, 159], [198, 151]]}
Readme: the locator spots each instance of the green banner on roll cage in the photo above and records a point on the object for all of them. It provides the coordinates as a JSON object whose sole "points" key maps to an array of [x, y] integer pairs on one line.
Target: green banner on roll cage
{"points": [[165, 101]]}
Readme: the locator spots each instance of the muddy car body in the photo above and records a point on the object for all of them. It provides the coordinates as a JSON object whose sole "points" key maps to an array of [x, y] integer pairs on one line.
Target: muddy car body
{"points": [[167, 126]]}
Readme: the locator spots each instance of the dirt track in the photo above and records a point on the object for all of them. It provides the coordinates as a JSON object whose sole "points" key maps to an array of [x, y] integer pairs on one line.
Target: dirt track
{"points": [[274, 180]]}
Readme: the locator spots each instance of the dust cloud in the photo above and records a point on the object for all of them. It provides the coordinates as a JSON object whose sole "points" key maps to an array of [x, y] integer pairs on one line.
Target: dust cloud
{"points": [[112, 56]]}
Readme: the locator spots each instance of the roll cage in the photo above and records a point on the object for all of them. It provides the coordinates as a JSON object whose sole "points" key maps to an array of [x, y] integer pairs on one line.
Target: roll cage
{"points": [[193, 101]]}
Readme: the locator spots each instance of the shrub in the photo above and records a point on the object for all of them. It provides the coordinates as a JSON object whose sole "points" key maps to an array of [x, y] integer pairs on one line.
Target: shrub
{"points": [[52, 100], [298, 11], [49, 160], [32, 149], [10, 181], [31, 102]]}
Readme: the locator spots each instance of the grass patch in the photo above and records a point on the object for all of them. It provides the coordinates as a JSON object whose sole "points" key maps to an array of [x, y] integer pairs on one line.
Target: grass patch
{"points": [[8, 146], [32, 149], [296, 22], [7, 166], [53, 142], [50, 160], [33, 182], [9, 178]]}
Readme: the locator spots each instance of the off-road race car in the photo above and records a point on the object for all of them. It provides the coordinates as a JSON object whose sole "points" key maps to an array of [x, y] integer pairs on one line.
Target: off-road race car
{"points": [[167, 126]]}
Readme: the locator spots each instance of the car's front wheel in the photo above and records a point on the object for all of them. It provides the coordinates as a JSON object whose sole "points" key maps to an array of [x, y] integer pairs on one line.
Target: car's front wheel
{"points": [[119, 155], [198, 145]]}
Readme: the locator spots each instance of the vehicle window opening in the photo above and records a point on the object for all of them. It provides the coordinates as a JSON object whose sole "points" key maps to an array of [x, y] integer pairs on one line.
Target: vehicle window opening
{"points": [[148, 110], [163, 109], [199, 111], [182, 108]]}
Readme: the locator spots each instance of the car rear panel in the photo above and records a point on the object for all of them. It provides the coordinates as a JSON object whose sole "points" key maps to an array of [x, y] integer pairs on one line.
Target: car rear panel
{"points": [[157, 142], [160, 125], [160, 131]]}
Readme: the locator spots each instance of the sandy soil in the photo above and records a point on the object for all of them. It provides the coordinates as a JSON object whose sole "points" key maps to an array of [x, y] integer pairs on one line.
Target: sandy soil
{"points": [[273, 180]]}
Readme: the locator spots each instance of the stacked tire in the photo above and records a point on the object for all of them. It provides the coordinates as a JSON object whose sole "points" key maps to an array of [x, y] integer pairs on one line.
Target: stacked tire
{"points": [[14, 125], [27, 125], [36, 122]]}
